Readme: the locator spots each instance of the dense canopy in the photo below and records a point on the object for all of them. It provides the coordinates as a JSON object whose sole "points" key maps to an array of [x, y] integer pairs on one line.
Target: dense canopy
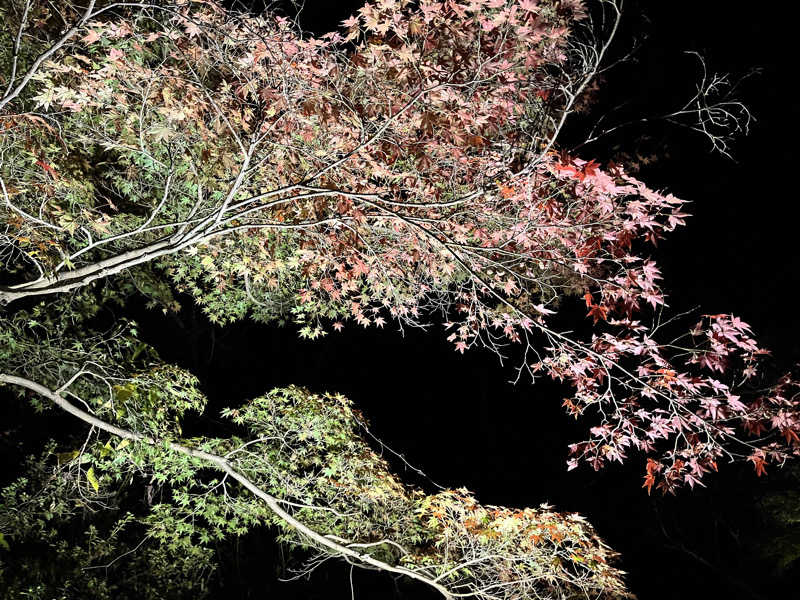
{"points": [[401, 170]]}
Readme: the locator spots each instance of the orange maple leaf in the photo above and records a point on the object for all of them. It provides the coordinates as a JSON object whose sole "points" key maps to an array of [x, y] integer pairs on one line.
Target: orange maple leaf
{"points": [[507, 191]]}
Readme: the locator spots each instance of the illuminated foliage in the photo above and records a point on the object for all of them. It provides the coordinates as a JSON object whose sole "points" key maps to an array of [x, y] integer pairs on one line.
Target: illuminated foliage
{"points": [[402, 170]]}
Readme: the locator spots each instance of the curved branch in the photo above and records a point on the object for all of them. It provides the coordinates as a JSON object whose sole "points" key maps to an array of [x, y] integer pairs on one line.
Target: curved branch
{"points": [[223, 465]]}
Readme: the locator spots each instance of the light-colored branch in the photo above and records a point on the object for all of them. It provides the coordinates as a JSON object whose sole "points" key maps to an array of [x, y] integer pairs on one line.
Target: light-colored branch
{"points": [[13, 93], [221, 464], [574, 94], [87, 15], [17, 43], [65, 282], [21, 212]]}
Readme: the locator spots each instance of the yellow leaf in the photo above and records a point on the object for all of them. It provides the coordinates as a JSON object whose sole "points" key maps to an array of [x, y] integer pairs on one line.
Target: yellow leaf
{"points": [[105, 450], [92, 479], [65, 457], [207, 262]]}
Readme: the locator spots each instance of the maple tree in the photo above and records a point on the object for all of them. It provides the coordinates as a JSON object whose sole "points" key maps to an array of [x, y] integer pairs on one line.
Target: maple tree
{"points": [[404, 167]]}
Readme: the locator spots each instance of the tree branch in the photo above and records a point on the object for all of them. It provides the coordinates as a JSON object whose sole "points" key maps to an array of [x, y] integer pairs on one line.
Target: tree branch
{"points": [[223, 465]]}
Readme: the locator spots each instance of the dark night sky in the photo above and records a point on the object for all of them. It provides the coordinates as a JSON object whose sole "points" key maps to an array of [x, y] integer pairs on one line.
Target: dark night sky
{"points": [[457, 417]]}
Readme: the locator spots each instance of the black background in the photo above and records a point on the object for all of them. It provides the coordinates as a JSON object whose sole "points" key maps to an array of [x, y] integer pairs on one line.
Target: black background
{"points": [[457, 417]]}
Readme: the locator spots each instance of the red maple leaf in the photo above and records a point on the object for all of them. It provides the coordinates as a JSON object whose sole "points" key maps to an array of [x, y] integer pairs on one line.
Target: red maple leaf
{"points": [[590, 168], [598, 312], [47, 168], [758, 464]]}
